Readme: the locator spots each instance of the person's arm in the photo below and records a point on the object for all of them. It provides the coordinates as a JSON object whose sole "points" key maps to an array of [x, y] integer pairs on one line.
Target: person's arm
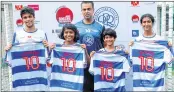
{"points": [[86, 53], [14, 40], [87, 57], [92, 54]]}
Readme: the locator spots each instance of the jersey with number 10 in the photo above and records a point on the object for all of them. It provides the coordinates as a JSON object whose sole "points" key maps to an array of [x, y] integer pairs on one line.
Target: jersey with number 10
{"points": [[67, 71], [149, 60], [109, 71], [28, 62]]}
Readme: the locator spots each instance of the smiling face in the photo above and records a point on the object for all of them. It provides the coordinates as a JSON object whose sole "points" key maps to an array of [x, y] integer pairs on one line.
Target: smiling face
{"points": [[147, 24], [28, 20], [87, 11], [109, 40], [69, 35]]}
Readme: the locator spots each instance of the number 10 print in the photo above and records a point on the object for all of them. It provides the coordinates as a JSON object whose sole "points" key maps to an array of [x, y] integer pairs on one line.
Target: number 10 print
{"points": [[29, 62], [104, 73], [144, 63], [66, 64]]}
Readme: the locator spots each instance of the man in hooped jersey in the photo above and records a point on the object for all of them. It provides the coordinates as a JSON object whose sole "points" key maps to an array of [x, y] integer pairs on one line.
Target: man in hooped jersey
{"points": [[29, 33], [90, 34]]}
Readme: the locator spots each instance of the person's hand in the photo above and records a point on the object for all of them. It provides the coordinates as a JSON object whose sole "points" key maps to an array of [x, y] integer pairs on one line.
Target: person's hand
{"points": [[83, 46], [92, 53], [8, 47], [131, 43], [127, 52], [53, 46], [169, 43], [45, 43]]}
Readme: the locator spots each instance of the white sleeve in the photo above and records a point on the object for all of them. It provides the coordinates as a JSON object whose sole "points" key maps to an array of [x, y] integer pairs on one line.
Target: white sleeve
{"points": [[168, 56], [126, 65], [91, 67]]}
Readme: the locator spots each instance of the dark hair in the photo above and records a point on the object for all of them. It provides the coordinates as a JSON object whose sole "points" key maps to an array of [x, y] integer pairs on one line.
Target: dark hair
{"points": [[85, 2], [27, 10], [110, 32], [72, 27], [149, 16]]}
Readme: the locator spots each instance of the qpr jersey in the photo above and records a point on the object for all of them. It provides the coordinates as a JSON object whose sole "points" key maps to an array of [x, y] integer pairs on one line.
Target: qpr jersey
{"points": [[90, 34], [67, 71], [28, 63], [109, 71], [149, 60]]}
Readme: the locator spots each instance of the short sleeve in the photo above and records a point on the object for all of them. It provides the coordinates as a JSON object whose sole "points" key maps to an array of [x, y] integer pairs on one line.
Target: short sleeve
{"points": [[168, 56], [14, 40], [8, 58], [126, 65]]}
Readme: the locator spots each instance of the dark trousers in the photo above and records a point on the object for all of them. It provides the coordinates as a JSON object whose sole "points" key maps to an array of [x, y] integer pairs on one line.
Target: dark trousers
{"points": [[88, 85]]}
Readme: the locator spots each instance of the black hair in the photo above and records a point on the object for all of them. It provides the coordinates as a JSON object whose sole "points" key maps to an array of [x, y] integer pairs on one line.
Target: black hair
{"points": [[109, 32], [72, 27], [149, 16], [85, 2], [27, 10]]}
